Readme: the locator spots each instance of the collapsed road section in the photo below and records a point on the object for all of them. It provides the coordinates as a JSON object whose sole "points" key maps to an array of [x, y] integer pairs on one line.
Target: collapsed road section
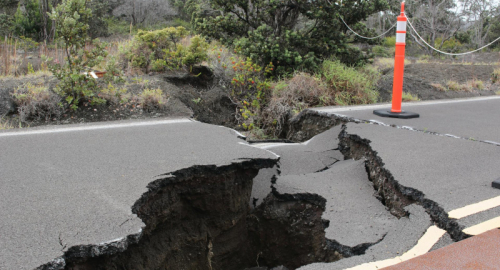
{"points": [[342, 198]]}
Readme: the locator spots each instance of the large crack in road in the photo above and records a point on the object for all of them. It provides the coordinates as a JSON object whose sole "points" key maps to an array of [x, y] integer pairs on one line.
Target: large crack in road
{"points": [[200, 217], [327, 203]]}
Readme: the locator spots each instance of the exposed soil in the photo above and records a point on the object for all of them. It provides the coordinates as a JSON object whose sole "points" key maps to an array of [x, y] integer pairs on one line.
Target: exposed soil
{"points": [[194, 94], [419, 77], [186, 95]]}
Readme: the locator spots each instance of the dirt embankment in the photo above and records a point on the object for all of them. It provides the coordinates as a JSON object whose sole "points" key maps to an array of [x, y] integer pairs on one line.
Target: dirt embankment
{"points": [[185, 95], [430, 81], [196, 94]]}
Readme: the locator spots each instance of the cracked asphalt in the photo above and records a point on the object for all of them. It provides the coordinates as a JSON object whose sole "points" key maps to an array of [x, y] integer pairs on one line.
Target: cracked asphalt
{"points": [[76, 185], [450, 154]]}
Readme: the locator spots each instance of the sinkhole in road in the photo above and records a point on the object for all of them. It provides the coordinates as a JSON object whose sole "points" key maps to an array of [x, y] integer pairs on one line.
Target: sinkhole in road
{"points": [[200, 218]]}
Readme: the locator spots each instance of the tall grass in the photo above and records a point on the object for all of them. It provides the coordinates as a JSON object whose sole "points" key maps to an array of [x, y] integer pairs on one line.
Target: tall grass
{"points": [[20, 57]]}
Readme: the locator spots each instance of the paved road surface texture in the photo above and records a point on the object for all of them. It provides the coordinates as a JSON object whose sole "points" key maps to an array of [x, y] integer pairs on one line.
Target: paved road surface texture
{"points": [[66, 186], [71, 186], [446, 160]]}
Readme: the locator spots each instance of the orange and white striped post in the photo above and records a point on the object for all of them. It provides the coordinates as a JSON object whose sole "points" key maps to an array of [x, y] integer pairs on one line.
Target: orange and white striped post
{"points": [[399, 66]]}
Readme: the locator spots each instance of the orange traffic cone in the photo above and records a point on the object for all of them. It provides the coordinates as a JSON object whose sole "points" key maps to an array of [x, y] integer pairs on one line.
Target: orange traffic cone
{"points": [[399, 66]]}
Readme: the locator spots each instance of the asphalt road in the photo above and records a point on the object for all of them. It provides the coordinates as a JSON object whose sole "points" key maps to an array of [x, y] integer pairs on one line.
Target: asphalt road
{"points": [[64, 186], [474, 118]]}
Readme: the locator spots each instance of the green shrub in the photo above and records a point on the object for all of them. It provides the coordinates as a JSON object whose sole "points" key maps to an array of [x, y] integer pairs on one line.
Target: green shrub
{"points": [[454, 86], [36, 102], [348, 84], [449, 45], [250, 90], [196, 52], [381, 51], [117, 26], [113, 94], [113, 72], [6, 25], [158, 65], [390, 41], [28, 21], [71, 20], [161, 49], [293, 36]]}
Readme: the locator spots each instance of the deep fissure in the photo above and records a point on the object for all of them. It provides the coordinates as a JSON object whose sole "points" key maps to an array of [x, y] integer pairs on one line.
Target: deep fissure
{"points": [[200, 218], [390, 193]]}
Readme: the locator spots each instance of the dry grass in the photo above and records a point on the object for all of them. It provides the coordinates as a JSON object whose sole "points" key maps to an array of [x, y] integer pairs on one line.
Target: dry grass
{"points": [[455, 86], [36, 102], [475, 84], [292, 96], [18, 58], [495, 76], [152, 99], [384, 63], [468, 86], [408, 97], [439, 87], [4, 124]]}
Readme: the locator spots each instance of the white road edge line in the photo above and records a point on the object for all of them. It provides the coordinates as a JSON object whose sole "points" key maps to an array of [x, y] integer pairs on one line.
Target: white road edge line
{"points": [[406, 104], [95, 127], [424, 244], [483, 226], [474, 208], [433, 233]]}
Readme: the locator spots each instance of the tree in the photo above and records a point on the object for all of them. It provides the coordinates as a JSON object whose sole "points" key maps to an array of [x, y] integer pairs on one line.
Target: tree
{"points": [[290, 34], [145, 11], [434, 20], [71, 19], [28, 20], [480, 16]]}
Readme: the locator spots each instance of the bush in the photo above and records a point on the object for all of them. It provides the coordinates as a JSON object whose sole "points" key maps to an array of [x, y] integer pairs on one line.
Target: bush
{"points": [[113, 94], [28, 22], [161, 49], [382, 51], [117, 26], [36, 102], [292, 36], [454, 86], [249, 90], [450, 45], [152, 99], [6, 25], [291, 96], [390, 42], [71, 20], [348, 85]]}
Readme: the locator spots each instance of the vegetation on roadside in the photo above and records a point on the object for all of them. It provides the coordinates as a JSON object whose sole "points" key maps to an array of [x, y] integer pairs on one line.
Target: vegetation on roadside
{"points": [[270, 63], [495, 76], [36, 102], [71, 19], [166, 49], [408, 97]]}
